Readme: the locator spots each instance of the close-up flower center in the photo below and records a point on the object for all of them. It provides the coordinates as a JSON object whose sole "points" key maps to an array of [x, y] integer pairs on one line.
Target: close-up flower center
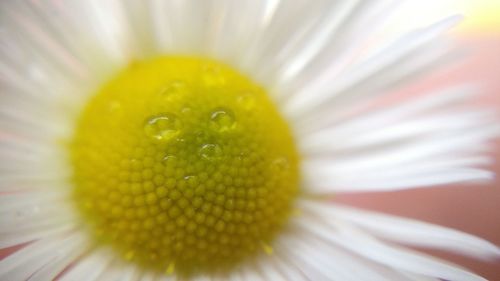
{"points": [[183, 165]]}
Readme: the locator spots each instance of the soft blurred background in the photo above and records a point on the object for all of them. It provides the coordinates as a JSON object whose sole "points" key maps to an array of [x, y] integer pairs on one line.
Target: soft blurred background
{"points": [[471, 208]]}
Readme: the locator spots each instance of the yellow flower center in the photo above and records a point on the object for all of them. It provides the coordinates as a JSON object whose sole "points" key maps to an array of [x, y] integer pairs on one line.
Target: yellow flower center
{"points": [[183, 164]]}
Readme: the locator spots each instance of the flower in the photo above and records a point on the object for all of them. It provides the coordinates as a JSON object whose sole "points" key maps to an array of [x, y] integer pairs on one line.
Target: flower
{"points": [[137, 142]]}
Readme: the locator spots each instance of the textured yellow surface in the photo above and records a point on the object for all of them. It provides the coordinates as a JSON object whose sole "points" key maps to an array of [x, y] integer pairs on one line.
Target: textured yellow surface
{"points": [[183, 165]]}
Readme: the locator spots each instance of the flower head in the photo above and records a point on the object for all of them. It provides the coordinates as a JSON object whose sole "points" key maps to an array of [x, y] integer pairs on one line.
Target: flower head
{"points": [[194, 168], [207, 139]]}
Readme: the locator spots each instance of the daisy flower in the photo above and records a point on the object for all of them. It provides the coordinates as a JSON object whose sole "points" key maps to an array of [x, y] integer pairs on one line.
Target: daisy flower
{"points": [[206, 140]]}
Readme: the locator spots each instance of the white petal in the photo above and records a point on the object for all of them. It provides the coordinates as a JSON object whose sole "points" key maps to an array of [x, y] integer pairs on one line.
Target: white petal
{"points": [[270, 270], [90, 267], [391, 256], [289, 15], [202, 277], [251, 272], [25, 262], [130, 273], [316, 264], [309, 268], [40, 168], [417, 277], [119, 270], [67, 253], [373, 135], [406, 231], [111, 274], [454, 176], [17, 238], [138, 23], [440, 99], [287, 269], [325, 177], [22, 151], [160, 28], [311, 26], [241, 28], [327, 28], [333, 45], [332, 261], [309, 101], [434, 158], [98, 48], [148, 276], [34, 211], [362, 97], [420, 167]]}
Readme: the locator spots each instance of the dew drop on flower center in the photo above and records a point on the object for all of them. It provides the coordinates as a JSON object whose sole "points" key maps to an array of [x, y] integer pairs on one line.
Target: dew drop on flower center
{"points": [[183, 165]]}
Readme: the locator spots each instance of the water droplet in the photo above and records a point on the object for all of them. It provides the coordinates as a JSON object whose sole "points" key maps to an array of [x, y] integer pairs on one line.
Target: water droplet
{"points": [[222, 119], [162, 128], [186, 110], [210, 151], [180, 141], [174, 89], [170, 160], [213, 77], [246, 100], [192, 181]]}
